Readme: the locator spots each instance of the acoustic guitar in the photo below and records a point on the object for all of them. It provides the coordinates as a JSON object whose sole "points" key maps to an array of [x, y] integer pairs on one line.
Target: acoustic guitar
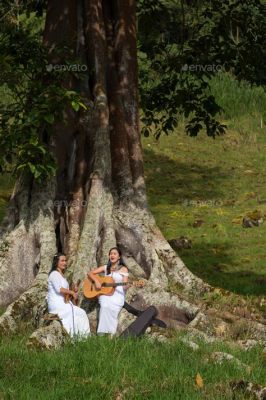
{"points": [[108, 286]]}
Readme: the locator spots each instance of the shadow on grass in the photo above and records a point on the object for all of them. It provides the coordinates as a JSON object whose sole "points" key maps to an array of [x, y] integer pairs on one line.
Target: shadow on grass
{"points": [[220, 270], [171, 182]]}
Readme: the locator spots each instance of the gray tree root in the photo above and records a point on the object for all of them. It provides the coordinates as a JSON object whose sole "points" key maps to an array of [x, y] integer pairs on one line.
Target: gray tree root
{"points": [[25, 250], [139, 236]]}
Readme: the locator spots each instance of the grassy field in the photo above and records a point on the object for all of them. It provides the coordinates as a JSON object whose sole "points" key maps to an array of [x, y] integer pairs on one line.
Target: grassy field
{"points": [[216, 182], [100, 368]]}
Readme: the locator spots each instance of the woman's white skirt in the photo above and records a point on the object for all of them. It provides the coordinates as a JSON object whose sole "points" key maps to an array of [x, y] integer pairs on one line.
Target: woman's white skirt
{"points": [[73, 318], [109, 311]]}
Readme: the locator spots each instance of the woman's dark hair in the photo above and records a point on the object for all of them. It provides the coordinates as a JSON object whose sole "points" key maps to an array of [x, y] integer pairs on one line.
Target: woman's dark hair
{"points": [[120, 262], [55, 261]]}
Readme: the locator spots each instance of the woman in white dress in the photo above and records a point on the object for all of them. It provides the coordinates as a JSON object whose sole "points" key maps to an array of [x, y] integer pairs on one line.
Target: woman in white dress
{"points": [[73, 318], [110, 306]]}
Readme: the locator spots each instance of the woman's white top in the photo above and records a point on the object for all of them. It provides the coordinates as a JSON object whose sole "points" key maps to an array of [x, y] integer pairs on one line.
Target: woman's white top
{"points": [[55, 282]]}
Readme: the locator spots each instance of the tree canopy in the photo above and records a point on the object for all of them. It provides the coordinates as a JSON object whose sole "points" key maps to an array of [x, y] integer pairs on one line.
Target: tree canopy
{"points": [[181, 45]]}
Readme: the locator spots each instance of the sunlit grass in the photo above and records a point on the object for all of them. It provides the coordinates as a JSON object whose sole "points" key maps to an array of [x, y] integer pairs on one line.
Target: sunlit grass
{"points": [[239, 99], [101, 368], [216, 182]]}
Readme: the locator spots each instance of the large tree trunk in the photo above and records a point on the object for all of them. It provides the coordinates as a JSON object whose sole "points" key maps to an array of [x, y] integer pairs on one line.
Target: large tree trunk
{"points": [[98, 198]]}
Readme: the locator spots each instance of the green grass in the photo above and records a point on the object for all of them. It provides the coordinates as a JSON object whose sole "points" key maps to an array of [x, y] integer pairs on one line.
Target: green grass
{"points": [[101, 368], [218, 182], [238, 99]]}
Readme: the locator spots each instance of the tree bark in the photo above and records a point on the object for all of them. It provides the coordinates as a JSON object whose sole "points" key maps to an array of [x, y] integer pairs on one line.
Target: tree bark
{"points": [[98, 198]]}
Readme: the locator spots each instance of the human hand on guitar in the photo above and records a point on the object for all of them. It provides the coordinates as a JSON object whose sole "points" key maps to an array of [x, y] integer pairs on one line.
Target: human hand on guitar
{"points": [[97, 284]]}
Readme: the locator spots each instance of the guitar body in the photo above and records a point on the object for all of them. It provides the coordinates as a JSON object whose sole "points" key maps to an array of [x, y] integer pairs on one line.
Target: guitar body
{"points": [[90, 291]]}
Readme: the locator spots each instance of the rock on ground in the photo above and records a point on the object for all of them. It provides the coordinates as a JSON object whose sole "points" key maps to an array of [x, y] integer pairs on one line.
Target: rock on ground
{"points": [[49, 337]]}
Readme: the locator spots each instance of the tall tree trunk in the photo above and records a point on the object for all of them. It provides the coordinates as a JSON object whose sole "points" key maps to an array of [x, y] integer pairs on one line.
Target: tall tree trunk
{"points": [[98, 198]]}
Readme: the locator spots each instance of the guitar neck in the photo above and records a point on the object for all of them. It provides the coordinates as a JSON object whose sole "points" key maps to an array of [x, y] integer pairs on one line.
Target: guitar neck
{"points": [[115, 284]]}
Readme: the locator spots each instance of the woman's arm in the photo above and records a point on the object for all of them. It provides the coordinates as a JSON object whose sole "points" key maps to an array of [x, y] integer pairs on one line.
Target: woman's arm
{"points": [[70, 292], [92, 275]]}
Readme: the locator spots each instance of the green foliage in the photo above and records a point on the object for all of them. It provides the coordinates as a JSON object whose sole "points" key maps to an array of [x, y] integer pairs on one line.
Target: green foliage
{"points": [[36, 97], [182, 45], [239, 35]]}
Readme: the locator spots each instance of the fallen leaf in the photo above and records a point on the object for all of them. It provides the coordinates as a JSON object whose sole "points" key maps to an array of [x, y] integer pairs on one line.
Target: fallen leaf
{"points": [[199, 381]]}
